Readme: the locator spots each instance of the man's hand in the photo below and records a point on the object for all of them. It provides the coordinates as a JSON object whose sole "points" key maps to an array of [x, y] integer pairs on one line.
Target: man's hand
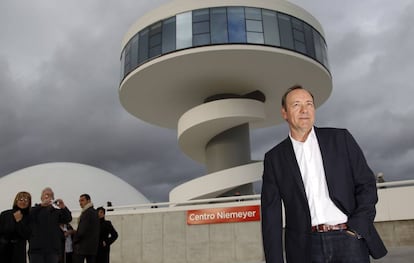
{"points": [[59, 202]]}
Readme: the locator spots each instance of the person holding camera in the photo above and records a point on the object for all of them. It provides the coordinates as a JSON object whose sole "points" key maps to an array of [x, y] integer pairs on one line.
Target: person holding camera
{"points": [[45, 219]]}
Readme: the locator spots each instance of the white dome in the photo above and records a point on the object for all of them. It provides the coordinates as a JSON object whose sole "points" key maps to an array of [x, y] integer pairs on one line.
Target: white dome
{"points": [[69, 181]]}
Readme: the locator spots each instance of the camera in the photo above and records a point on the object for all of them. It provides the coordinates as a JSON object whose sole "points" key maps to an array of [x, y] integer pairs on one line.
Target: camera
{"points": [[55, 204]]}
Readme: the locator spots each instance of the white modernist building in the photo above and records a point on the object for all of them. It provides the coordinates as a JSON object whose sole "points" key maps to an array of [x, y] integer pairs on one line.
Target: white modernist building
{"points": [[215, 69], [69, 181]]}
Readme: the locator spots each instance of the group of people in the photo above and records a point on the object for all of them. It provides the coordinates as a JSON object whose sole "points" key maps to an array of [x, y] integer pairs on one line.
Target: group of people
{"points": [[51, 238]]}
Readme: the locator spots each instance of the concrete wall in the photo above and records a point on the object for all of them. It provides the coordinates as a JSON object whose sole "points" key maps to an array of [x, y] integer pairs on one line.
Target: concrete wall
{"points": [[151, 235], [395, 203], [397, 233], [163, 236]]}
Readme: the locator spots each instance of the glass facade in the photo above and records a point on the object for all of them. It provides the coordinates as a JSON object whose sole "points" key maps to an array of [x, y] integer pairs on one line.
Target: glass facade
{"points": [[223, 25]]}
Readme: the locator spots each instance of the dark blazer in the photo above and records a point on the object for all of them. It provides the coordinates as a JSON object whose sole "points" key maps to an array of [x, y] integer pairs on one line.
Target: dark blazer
{"points": [[14, 235], [86, 239], [107, 234], [351, 185], [46, 232]]}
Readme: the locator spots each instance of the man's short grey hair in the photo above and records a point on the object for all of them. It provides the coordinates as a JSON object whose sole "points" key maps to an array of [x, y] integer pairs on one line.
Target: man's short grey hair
{"points": [[47, 189]]}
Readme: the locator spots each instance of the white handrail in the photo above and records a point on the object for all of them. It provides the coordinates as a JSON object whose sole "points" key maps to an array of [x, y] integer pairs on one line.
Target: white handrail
{"points": [[393, 184], [396, 183]]}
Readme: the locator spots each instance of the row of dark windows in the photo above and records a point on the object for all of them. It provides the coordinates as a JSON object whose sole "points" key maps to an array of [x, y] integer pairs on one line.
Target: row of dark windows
{"points": [[223, 25]]}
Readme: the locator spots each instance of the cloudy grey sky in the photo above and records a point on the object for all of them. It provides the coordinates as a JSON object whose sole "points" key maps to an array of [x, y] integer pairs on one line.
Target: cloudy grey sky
{"points": [[59, 77]]}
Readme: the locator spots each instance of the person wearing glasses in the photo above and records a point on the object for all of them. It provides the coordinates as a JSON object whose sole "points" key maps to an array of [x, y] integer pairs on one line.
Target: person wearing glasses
{"points": [[15, 230]]}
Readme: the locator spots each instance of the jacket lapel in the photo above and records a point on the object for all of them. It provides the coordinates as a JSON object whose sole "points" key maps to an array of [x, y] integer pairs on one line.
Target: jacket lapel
{"points": [[328, 166], [294, 167], [325, 155]]}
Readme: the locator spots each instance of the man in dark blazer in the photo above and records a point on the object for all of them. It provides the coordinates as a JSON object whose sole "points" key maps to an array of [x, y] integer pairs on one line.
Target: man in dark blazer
{"points": [[327, 189], [86, 238]]}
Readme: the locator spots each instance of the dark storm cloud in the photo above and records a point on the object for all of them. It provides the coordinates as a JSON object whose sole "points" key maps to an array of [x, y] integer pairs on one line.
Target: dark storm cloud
{"points": [[9, 118], [69, 110], [371, 61], [59, 77]]}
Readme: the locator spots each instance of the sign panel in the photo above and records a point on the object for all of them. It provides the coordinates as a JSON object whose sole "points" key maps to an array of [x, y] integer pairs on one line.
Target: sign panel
{"points": [[223, 215]]}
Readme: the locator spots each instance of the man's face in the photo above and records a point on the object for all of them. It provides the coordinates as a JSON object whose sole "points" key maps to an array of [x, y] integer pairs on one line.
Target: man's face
{"points": [[300, 111], [47, 196], [83, 201], [101, 214]]}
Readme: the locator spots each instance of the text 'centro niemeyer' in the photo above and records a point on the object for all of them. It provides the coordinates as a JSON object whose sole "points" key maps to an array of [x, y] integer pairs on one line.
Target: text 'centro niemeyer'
{"points": [[223, 215]]}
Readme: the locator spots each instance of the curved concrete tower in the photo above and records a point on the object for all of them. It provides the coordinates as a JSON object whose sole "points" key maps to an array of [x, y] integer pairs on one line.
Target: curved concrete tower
{"points": [[215, 69]]}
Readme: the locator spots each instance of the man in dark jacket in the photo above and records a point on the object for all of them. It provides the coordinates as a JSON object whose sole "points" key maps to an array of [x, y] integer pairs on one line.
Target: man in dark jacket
{"points": [[45, 218], [86, 239], [327, 188], [107, 236]]}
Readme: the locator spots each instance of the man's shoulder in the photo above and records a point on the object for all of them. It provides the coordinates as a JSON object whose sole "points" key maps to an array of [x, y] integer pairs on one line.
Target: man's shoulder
{"points": [[91, 210], [278, 147], [107, 223], [320, 131], [329, 131], [36, 208]]}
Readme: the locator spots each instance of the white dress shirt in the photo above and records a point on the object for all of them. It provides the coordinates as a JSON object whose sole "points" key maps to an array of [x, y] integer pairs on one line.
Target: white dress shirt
{"points": [[309, 158]]}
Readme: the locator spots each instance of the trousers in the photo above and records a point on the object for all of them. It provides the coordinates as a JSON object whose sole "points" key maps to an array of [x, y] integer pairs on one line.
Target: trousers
{"points": [[339, 247], [43, 258], [76, 258]]}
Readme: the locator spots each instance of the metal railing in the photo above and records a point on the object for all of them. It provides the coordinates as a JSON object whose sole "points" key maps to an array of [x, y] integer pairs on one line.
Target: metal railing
{"points": [[221, 201]]}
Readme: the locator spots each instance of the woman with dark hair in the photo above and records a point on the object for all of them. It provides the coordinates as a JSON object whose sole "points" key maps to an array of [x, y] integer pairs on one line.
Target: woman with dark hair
{"points": [[15, 230]]}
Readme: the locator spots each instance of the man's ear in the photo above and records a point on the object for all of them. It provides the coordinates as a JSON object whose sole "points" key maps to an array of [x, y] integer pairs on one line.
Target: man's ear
{"points": [[284, 113]]}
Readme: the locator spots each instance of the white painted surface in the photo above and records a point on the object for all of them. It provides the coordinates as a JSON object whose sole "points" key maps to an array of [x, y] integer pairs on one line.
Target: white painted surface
{"points": [[68, 181]]}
